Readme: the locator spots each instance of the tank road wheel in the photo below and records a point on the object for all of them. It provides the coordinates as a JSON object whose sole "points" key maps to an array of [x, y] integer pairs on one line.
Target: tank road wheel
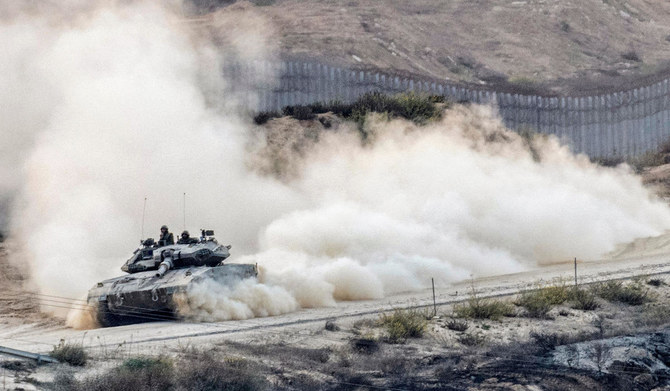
{"points": [[105, 317]]}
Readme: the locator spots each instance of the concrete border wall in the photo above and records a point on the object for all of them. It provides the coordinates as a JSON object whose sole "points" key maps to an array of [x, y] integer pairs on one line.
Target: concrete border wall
{"points": [[621, 124]]}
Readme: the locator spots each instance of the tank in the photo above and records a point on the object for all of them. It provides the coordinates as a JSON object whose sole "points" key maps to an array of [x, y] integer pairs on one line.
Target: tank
{"points": [[157, 277]]}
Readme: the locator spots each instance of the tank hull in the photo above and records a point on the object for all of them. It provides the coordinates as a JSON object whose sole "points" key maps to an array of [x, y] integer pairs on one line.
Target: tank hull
{"points": [[144, 296]]}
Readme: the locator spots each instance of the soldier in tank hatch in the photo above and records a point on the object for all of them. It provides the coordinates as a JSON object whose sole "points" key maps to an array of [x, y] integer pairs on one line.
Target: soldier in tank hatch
{"points": [[166, 237], [186, 238]]}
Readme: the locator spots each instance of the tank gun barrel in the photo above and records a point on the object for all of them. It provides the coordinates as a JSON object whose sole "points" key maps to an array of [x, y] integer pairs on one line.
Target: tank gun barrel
{"points": [[165, 265]]}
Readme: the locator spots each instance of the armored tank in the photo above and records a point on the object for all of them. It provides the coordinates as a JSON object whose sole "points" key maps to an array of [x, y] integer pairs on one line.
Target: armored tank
{"points": [[158, 275]]}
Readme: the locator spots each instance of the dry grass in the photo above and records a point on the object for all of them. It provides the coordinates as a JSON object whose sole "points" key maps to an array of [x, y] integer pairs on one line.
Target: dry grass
{"points": [[584, 300], [199, 371], [540, 301], [457, 325], [70, 353], [480, 308], [418, 108], [403, 324], [633, 293]]}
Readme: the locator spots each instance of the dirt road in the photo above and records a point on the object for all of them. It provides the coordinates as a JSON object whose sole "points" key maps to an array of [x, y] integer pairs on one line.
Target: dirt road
{"points": [[156, 336]]}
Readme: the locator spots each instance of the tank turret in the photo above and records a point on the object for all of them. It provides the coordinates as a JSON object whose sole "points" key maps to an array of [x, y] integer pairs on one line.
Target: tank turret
{"points": [[157, 273]]}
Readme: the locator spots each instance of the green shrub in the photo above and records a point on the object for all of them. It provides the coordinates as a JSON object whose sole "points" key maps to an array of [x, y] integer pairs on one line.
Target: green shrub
{"points": [[403, 324], [418, 108], [535, 304], [634, 293], [141, 363], [584, 300], [414, 107], [479, 308], [70, 353], [539, 302]]}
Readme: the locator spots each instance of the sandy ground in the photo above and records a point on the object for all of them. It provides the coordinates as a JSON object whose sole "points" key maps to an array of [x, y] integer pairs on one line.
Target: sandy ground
{"points": [[305, 328], [153, 336]]}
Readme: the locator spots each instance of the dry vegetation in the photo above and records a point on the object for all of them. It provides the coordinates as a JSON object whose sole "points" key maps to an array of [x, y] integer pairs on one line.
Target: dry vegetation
{"points": [[563, 348]]}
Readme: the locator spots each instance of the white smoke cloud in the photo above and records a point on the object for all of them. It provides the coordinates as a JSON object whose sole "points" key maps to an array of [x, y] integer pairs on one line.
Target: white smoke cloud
{"points": [[122, 104]]}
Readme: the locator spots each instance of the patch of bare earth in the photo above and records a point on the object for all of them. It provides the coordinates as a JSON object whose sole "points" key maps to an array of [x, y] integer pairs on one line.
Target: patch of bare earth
{"points": [[17, 304]]}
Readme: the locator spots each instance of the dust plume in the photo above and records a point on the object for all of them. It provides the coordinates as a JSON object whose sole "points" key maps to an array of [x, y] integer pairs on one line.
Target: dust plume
{"points": [[125, 100]]}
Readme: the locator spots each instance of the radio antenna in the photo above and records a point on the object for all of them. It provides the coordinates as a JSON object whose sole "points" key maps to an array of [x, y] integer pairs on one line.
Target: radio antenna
{"points": [[184, 211], [144, 209]]}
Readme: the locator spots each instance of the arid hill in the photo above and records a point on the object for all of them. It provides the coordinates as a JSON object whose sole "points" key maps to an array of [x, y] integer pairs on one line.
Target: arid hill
{"points": [[569, 46]]}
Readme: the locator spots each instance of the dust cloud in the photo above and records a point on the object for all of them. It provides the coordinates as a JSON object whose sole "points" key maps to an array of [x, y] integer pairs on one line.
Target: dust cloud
{"points": [[124, 101]]}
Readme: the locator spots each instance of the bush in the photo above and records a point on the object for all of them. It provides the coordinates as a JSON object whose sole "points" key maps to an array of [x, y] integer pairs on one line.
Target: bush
{"points": [[656, 282], [632, 294], [479, 308], [631, 55], [365, 344], [332, 326], [73, 354], [608, 161], [472, 339], [142, 363], [457, 325], [299, 112], [549, 341], [265, 116], [414, 107], [199, 371], [654, 315], [584, 300], [403, 324], [535, 305], [565, 26], [203, 372], [539, 302], [648, 159]]}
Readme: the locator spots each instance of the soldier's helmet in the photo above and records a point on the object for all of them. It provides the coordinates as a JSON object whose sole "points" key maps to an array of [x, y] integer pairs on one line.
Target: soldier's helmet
{"points": [[185, 234], [164, 227]]}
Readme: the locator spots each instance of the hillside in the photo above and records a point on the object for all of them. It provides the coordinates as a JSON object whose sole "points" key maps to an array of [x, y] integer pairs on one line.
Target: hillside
{"points": [[569, 46]]}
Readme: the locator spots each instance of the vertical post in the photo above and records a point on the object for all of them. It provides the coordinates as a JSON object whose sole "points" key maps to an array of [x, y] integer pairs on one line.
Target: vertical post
{"points": [[144, 209], [184, 212], [575, 271], [432, 281]]}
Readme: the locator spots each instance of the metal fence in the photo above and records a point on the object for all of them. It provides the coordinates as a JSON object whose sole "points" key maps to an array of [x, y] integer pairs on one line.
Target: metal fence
{"points": [[621, 124]]}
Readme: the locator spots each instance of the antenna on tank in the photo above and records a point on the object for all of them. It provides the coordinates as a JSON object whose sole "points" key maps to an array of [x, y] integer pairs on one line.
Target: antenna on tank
{"points": [[184, 211], [144, 209]]}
